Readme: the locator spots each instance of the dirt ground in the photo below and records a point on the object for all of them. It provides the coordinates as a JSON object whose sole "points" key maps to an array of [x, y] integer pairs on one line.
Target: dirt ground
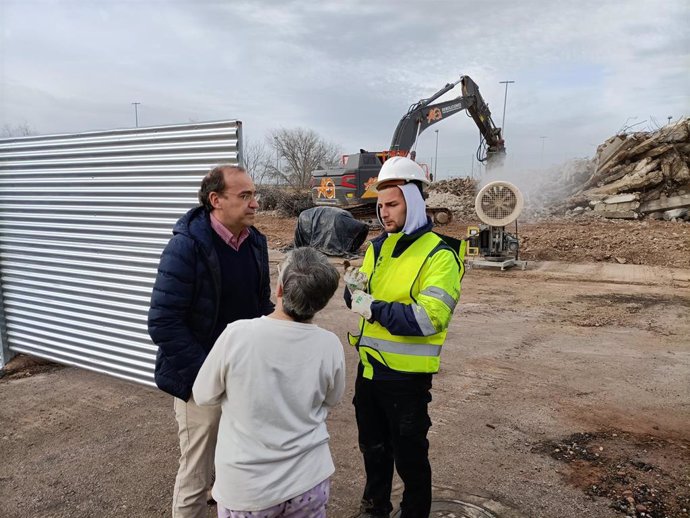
{"points": [[563, 392], [655, 243]]}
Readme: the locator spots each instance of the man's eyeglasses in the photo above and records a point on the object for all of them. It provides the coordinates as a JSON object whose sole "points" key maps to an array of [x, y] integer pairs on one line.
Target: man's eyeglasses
{"points": [[246, 196]]}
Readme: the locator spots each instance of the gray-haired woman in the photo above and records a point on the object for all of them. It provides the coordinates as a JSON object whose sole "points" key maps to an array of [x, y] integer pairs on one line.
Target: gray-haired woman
{"points": [[275, 378]]}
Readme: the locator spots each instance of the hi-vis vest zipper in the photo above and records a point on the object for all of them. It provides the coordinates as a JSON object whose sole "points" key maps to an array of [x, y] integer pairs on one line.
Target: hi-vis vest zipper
{"points": [[394, 279]]}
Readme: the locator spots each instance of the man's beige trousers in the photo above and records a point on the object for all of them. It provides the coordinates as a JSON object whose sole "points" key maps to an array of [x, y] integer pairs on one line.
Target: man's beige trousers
{"points": [[198, 431]]}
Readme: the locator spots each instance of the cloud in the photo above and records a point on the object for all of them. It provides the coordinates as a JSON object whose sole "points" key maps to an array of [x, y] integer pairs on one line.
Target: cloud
{"points": [[349, 70]]}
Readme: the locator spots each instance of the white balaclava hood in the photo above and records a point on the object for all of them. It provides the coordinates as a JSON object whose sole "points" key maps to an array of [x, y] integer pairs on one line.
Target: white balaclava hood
{"points": [[416, 209]]}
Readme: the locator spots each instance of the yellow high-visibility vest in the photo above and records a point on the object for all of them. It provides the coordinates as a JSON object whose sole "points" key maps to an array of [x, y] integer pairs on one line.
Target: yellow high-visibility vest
{"points": [[399, 279]]}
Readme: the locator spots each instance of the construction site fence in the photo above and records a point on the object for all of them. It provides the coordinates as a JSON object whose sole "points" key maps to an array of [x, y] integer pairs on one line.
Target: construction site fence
{"points": [[83, 220]]}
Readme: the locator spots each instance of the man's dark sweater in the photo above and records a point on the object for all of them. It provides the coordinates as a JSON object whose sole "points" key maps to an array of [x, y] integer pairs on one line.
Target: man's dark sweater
{"points": [[240, 277]]}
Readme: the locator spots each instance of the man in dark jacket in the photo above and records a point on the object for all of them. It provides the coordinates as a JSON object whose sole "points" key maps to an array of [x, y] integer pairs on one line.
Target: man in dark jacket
{"points": [[213, 271]]}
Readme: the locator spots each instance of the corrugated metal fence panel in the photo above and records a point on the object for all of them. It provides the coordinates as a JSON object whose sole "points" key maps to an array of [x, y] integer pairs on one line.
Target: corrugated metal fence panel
{"points": [[83, 221]]}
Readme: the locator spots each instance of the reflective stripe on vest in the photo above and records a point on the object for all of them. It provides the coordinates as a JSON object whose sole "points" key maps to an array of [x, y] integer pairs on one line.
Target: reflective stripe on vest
{"points": [[425, 324], [387, 346], [393, 279], [442, 295]]}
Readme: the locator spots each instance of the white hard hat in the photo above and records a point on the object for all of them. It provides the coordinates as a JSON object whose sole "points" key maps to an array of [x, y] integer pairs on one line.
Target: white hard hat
{"points": [[399, 168]]}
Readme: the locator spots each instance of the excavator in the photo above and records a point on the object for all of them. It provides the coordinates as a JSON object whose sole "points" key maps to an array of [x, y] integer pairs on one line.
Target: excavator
{"points": [[345, 186]]}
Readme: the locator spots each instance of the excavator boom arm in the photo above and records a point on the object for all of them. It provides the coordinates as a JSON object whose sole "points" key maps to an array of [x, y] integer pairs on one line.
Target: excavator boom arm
{"points": [[480, 113], [409, 128], [422, 114]]}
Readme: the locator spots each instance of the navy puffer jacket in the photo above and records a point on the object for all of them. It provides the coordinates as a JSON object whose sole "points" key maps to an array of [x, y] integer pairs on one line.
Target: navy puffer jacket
{"points": [[186, 297]]}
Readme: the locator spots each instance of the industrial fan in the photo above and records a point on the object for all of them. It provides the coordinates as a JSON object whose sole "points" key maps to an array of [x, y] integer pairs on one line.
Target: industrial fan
{"points": [[497, 204]]}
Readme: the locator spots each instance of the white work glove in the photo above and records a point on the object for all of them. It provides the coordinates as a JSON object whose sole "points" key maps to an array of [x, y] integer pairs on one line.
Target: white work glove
{"points": [[361, 303], [355, 279]]}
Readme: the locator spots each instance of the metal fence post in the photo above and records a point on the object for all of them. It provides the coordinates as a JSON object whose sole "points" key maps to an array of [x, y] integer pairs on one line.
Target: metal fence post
{"points": [[5, 353]]}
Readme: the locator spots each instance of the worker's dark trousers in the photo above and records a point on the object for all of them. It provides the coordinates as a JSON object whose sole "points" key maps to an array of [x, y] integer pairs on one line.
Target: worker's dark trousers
{"points": [[393, 421]]}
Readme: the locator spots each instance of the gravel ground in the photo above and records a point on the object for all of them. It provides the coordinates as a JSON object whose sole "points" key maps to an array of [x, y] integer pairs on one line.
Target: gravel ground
{"points": [[532, 358]]}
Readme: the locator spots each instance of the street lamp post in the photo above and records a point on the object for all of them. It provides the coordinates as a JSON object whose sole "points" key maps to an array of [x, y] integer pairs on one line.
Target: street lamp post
{"points": [[505, 100], [541, 158], [436, 157], [136, 114]]}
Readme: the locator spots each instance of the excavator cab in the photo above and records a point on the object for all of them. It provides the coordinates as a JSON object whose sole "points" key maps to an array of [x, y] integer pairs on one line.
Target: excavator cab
{"points": [[346, 184]]}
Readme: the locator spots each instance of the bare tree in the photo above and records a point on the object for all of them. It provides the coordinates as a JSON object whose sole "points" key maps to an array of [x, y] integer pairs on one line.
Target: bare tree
{"points": [[257, 161], [18, 130], [303, 151]]}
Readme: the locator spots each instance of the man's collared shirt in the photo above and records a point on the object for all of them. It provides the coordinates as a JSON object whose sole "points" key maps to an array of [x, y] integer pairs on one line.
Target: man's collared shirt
{"points": [[227, 236]]}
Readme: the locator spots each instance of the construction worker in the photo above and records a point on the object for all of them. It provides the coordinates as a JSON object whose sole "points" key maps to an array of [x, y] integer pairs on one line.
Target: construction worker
{"points": [[405, 292]]}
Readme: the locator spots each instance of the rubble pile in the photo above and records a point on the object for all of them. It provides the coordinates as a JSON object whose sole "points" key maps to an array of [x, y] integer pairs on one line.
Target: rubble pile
{"points": [[643, 174], [455, 194]]}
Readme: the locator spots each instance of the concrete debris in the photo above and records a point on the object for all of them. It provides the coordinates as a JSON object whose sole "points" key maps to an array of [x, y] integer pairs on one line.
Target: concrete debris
{"points": [[455, 194], [632, 176], [621, 198], [663, 202], [675, 214]]}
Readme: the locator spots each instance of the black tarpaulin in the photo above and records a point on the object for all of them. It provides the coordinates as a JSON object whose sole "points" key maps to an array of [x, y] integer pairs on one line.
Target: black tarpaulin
{"points": [[330, 230]]}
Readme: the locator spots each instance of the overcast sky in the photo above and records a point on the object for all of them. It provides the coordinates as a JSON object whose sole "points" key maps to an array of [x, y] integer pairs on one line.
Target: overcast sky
{"points": [[350, 69]]}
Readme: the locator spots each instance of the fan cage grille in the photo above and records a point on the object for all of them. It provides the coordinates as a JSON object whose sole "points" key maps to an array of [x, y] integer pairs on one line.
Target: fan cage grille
{"points": [[498, 202]]}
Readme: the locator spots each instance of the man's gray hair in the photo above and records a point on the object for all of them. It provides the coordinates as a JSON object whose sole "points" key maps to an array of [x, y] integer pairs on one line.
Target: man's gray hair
{"points": [[309, 281]]}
